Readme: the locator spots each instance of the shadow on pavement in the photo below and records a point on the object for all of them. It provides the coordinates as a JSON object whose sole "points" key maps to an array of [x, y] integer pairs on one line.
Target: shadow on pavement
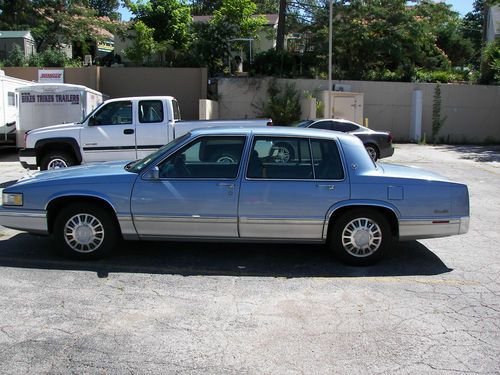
{"points": [[477, 153], [220, 259], [8, 154]]}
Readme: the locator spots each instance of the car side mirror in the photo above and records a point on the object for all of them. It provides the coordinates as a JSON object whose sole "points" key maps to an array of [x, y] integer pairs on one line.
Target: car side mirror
{"points": [[152, 174]]}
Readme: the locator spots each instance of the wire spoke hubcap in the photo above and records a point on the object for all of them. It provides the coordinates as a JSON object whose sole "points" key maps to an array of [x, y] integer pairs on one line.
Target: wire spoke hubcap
{"points": [[361, 237], [84, 233]]}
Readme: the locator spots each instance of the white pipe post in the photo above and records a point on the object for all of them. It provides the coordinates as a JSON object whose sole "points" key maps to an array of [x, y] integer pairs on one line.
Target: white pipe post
{"points": [[329, 112]]}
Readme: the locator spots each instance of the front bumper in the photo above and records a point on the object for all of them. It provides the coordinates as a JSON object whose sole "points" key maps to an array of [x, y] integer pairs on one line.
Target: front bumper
{"points": [[24, 220], [27, 157], [433, 228]]}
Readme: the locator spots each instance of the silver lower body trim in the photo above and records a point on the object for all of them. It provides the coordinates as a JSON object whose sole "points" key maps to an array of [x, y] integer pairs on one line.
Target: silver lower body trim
{"points": [[432, 228], [24, 220]]}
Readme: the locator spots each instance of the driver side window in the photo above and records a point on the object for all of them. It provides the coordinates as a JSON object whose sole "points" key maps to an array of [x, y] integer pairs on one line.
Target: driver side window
{"points": [[115, 113]]}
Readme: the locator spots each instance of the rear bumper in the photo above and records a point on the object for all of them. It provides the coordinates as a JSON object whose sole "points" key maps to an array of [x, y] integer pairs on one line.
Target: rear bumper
{"points": [[27, 157], [24, 220], [420, 229], [387, 151]]}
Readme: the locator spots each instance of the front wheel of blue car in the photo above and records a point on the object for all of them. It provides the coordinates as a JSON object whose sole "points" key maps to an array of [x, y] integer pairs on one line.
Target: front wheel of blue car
{"points": [[360, 236], [85, 231]]}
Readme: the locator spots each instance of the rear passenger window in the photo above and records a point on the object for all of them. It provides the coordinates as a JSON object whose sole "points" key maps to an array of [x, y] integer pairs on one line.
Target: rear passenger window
{"points": [[327, 163], [150, 111], [344, 126], [280, 158]]}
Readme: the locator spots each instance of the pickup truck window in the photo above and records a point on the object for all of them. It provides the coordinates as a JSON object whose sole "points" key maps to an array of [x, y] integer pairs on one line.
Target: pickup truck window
{"points": [[176, 109], [114, 113], [207, 157], [150, 111]]}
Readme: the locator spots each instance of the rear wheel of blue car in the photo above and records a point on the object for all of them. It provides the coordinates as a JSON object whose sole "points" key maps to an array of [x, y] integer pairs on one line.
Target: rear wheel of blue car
{"points": [[85, 231], [360, 236]]}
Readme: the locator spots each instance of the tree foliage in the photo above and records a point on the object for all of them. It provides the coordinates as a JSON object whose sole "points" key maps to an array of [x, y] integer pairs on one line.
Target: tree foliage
{"points": [[56, 22], [169, 19]]}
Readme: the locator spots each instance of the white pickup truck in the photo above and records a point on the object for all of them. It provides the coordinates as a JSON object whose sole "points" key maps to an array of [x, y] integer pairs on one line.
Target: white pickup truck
{"points": [[119, 129]]}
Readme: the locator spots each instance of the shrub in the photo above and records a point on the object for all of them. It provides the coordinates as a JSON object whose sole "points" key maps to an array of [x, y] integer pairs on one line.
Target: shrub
{"points": [[16, 57], [283, 104], [490, 63]]}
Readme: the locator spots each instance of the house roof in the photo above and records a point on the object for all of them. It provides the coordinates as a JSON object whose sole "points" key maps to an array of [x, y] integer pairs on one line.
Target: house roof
{"points": [[15, 34], [272, 19]]}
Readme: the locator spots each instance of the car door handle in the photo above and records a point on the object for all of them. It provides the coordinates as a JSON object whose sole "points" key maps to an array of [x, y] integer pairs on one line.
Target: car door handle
{"points": [[226, 184], [128, 131], [329, 187]]}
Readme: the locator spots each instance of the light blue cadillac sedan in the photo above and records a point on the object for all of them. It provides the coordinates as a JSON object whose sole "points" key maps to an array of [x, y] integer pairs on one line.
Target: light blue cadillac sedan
{"points": [[237, 184]]}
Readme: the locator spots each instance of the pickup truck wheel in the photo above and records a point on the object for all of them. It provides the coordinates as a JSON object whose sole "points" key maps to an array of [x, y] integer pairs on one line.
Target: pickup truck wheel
{"points": [[226, 159], [85, 231], [56, 160], [360, 237], [282, 152]]}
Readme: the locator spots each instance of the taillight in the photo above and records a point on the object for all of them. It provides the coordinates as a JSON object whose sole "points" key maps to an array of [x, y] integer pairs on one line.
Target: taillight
{"points": [[389, 138]]}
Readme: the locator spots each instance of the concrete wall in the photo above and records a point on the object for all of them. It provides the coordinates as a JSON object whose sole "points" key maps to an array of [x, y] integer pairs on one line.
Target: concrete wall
{"points": [[188, 85], [472, 111]]}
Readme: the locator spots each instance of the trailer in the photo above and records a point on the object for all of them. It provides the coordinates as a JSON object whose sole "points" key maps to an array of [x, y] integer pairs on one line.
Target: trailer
{"points": [[8, 107], [53, 103]]}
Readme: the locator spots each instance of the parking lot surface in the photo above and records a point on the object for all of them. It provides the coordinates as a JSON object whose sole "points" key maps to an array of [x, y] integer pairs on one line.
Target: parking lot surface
{"points": [[431, 307]]}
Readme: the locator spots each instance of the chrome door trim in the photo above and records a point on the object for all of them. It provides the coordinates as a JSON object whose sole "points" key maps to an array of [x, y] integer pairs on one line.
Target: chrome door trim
{"points": [[185, 219]]}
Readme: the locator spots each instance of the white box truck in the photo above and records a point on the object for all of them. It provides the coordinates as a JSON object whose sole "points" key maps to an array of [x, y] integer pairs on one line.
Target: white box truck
{"points": [[53, 103], [8, 107]]}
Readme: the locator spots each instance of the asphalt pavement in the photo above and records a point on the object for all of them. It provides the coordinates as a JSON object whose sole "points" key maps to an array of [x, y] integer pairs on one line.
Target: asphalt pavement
{"points": [[431, 307]]}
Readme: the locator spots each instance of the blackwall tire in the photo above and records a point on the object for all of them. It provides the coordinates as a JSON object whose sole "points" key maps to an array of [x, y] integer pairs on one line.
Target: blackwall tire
{"points": [[85, 231], [360, 237]]}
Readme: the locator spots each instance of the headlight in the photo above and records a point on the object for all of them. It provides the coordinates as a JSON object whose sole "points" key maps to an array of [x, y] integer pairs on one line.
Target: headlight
{"points": [[12, 199]]}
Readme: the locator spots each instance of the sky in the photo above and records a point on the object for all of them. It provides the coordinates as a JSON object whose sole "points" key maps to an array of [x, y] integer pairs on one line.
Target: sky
{"points": [[461, 6]]}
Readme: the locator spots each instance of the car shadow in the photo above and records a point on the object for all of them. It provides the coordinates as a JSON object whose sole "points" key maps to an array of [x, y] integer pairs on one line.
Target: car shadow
{"points": [[8, 154], [220, 259], [478, 153]]}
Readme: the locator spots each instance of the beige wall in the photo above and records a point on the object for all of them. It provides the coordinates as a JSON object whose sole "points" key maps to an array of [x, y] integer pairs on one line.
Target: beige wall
{"points": [[472, 111], [188, 85]]}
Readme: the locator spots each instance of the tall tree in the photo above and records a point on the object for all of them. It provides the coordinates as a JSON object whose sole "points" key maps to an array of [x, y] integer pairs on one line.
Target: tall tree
{"points": [[170, 20], [104, 8], [447, 27], [280, 38]]}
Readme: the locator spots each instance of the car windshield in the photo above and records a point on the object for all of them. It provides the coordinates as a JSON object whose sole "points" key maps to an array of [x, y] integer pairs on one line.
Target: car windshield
{"points": [[138, 165], [302, 124]]}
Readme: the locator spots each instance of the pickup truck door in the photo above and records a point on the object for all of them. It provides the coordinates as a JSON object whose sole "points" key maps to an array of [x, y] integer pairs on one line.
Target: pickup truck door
{"points": [[196, 194], [152, 126], [110, 133]]}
